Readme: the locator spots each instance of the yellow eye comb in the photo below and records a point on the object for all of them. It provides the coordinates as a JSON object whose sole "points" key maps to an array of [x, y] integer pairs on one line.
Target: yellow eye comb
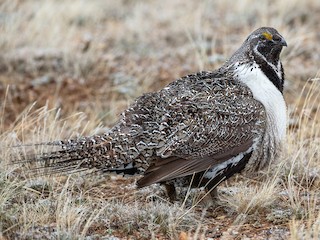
{"points": [[267, 35]]}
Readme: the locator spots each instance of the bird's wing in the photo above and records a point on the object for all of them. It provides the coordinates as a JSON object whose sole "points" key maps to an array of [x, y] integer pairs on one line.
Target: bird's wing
{"points": [[209, 121]]}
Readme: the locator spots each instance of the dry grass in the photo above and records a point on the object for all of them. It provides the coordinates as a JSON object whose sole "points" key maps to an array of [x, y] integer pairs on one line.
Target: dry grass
{"points": [[68, 68]]}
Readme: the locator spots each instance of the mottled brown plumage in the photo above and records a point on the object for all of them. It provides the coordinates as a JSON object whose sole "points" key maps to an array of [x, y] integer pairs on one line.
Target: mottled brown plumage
{"points": [[204, 126]]}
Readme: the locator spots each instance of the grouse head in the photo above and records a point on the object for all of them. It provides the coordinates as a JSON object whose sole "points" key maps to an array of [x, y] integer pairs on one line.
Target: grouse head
{"points": [[267, 42], [262, 48]]}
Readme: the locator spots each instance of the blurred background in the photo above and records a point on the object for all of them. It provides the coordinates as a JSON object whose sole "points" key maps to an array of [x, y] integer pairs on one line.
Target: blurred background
{"points": [[97, 56]]}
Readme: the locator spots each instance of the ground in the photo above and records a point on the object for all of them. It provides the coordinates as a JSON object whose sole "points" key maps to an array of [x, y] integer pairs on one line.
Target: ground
{"points": [[69, 68]]}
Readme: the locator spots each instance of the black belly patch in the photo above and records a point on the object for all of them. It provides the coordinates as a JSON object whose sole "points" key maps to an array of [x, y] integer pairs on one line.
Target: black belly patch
{"points": [[199, 179]]}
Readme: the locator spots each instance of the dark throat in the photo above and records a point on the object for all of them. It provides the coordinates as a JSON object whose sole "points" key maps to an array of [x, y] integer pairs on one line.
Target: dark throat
{"points": [[270, 72]]}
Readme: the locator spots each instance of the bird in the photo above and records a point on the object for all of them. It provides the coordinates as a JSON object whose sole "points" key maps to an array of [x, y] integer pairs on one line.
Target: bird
{"points": [[197, 131]]}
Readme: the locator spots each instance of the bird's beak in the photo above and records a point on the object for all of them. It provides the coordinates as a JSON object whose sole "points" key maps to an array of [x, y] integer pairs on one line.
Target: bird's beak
{"points": [[279, 40], [283, 42]]}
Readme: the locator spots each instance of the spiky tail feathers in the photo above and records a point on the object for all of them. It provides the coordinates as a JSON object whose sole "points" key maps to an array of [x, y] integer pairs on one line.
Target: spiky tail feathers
{"points": [[97, 153]]}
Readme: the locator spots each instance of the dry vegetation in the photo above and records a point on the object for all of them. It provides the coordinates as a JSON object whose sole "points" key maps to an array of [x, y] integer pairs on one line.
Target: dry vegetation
{"points": [[68, 68]]}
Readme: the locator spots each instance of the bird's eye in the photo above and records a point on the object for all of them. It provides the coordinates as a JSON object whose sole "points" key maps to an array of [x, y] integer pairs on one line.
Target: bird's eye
{"points": [[276, 38]]}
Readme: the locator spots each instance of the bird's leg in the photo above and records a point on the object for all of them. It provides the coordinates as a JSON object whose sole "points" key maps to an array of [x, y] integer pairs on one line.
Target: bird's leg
{"points": [[211, 187], [171, 191], [213, 193]]}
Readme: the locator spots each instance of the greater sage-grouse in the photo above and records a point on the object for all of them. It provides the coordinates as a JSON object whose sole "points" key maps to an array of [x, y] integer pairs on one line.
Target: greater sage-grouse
{"points": [[199, 130]]}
